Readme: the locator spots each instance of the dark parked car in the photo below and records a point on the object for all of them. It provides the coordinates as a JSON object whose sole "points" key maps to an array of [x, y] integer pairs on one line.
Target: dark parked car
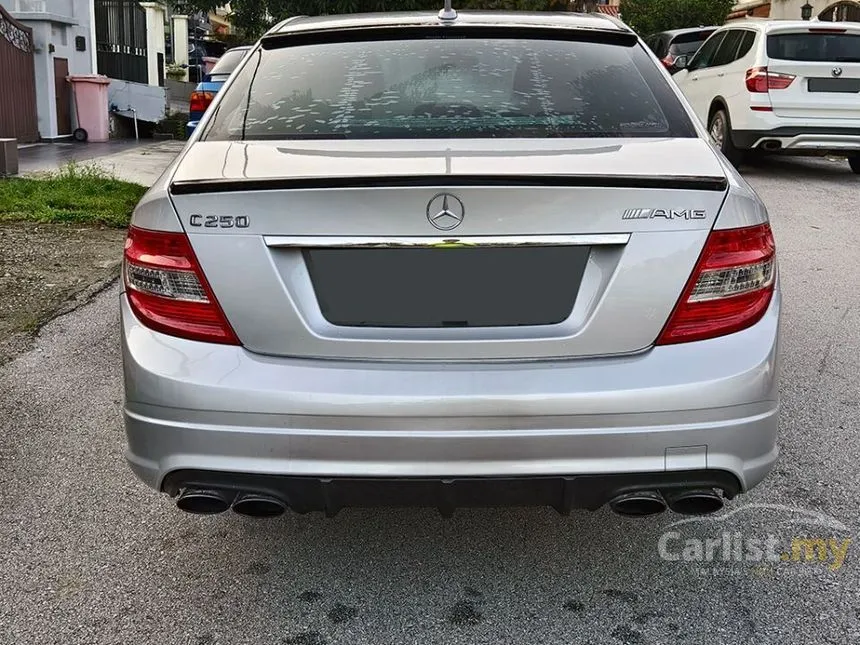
{"points": [[669, 45]]}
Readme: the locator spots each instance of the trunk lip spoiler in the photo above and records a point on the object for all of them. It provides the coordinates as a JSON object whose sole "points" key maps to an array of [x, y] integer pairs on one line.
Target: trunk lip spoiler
{"points": [[677, 182]]}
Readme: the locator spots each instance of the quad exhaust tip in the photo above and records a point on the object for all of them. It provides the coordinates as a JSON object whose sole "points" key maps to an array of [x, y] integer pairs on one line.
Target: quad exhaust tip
{"points": [[638, 504], [692, 501], [210, 501], [702, 501], [258, 505], [202, 501]]}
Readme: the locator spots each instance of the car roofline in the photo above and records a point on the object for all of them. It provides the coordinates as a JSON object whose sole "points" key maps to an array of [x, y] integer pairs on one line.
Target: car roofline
{"points": [[280, 26], [672, 33], [616, 21], [549, 19]]}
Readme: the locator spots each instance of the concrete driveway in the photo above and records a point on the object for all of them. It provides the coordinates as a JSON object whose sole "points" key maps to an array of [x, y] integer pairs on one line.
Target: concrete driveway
{"points": [[89, 555], [134, 161]]}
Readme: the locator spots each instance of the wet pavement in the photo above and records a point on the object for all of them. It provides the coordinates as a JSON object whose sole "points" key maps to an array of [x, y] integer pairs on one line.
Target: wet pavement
{"points": [[50, 156], [139, 162]]}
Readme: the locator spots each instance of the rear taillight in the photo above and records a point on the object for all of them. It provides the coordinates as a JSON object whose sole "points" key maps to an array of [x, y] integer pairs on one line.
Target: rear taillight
{"points": [[668, 61], [760, 81], [199, 101], [729, 290], [167, 290]]}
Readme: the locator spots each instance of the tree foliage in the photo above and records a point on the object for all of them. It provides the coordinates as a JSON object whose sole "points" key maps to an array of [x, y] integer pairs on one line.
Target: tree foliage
{"points": [[253, 17], [651, 16]]}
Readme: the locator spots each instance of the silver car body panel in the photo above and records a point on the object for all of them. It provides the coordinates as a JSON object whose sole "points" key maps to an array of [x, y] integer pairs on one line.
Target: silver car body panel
{"points": [[198, 406], [280, 314]]}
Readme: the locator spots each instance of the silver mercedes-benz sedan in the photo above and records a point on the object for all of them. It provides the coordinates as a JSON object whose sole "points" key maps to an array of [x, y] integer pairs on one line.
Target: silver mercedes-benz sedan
{"points": [[450, 261]]}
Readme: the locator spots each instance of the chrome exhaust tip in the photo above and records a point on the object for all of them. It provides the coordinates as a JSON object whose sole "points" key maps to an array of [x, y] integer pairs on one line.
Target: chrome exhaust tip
{"points": [[258, 505], [638, 504], [700, 501], [202, 502]]}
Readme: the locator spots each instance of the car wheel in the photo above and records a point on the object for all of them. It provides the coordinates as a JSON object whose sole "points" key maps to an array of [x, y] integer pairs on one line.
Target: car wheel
{"points": [[720, 129], [854, 162]]}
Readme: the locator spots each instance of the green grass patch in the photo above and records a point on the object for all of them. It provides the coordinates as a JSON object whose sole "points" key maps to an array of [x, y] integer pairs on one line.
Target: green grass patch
{"points": [[77, 194]]}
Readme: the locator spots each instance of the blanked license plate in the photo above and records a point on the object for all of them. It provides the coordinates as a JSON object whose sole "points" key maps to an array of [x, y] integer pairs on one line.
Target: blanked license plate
{"points": [[840, 85], [447, 287]]}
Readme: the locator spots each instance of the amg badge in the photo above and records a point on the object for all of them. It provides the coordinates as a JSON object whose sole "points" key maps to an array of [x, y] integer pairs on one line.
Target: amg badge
{"points": [[663, 213]]}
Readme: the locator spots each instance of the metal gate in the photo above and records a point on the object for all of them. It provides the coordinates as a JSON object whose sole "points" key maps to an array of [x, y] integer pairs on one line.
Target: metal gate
{"points": [[849, 11], [121, 40], [17, 107]]}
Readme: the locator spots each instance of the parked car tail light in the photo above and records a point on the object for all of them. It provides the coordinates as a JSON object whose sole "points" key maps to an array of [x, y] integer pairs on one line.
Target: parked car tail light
{"points": [[200, 101], [730, 288], [761, 81], [668, 61], [167, 289]]}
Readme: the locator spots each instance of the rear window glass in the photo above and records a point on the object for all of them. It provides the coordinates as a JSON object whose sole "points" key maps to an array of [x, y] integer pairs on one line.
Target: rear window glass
{"points": [[830, 48], [228, 62], [446, 88], [687, 48], [689, 43], [692, 37]]}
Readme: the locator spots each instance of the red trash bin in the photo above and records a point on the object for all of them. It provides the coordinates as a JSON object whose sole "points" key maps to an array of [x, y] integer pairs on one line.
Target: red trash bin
{"points": [[91, 106]]}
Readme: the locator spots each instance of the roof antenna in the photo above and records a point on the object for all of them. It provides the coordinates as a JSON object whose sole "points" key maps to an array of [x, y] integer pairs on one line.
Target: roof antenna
{"points": [[448, 13]]}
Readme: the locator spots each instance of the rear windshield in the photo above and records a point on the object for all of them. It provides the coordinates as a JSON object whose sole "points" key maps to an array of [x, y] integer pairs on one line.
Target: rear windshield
{"points": [[687, 48], [689, 43], [228, 62], [829, 48], [692, 37], [449, 88]]}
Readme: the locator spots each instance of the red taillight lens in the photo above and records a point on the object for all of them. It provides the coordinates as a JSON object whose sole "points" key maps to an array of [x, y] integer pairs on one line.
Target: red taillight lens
{"points": [[167, 290], [199, 101], [729, 290], [761, 81], [668, 61]]}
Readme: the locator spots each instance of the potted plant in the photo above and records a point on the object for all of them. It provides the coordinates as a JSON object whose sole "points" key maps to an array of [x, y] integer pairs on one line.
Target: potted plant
{"points": [[176, 72]]}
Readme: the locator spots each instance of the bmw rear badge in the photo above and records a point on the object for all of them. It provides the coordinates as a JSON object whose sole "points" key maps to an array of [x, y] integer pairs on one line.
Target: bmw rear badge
{"points": [[837, 72], [445, 212]]}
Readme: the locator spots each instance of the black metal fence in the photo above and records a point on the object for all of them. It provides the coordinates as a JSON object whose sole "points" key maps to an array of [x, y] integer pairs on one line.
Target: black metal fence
{"points": [[121, 40]]}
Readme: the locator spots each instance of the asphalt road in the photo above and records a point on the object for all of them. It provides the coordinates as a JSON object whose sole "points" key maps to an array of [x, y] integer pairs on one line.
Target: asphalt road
{"points": [[89, 555]]}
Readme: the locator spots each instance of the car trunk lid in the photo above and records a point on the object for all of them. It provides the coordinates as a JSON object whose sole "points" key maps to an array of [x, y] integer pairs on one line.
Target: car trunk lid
{"points": [[825, 61], [448, 250]]}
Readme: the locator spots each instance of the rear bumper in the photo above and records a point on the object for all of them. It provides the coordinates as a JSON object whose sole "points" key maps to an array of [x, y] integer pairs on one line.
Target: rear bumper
{"points": [[707, 407], [306, 494], [801, 139]]}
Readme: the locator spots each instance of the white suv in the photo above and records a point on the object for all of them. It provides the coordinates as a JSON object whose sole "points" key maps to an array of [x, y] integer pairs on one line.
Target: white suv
{"points": [[778, 86]]}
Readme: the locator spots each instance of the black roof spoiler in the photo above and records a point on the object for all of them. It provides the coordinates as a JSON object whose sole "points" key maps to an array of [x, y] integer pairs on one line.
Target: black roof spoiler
{"points": [[323, 35]]}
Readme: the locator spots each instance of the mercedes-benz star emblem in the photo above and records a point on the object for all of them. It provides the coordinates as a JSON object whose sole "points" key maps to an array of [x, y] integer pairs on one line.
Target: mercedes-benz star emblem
{"points": [[837, 72], [445, 212]]}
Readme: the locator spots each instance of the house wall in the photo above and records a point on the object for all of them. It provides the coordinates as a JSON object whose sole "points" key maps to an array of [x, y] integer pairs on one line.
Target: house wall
{"points": [[790, 9], [57, 23], [783, 9]]}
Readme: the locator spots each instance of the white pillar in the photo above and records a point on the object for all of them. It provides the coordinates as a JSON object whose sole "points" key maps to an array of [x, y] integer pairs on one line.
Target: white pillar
{"points": [[154, 38], [180, 41], [92, 44]]}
